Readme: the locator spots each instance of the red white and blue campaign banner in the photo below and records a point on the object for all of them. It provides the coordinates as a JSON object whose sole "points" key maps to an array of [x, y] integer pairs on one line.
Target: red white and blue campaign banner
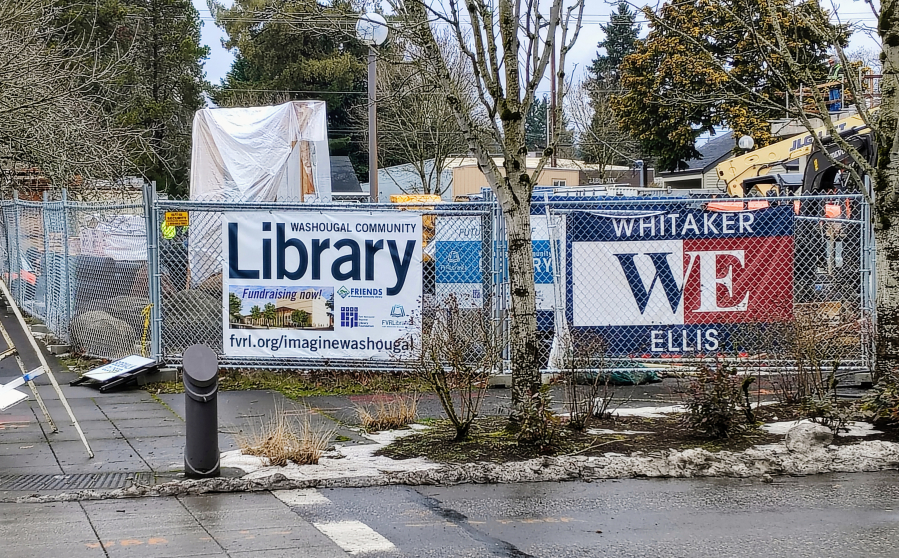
{"points": [[676, 281]]}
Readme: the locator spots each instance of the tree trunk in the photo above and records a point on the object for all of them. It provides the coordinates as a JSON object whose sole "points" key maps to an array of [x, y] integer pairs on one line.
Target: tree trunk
{"points": [[886, 208], [887, 265], [514, 196], [523, 327]]}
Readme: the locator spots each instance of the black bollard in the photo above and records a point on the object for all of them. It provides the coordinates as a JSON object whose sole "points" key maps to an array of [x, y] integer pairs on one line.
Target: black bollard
{"points": [[201, 449]]}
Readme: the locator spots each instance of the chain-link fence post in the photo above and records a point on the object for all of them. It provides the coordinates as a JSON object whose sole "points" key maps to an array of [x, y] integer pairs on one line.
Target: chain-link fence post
{"points": [[487, 258], [44, 274], [15, 267], [868, 277], [500, 275], [152, 221], [68, 267]]}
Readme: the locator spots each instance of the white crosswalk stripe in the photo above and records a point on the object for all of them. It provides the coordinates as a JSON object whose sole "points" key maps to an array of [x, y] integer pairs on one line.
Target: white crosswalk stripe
{"points": [[355, 537], [301, 497]]}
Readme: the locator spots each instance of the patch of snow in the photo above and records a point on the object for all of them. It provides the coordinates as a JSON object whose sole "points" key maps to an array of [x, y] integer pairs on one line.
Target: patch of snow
{"points": [[388, 436], [853, 428], [348, 461], [361, 469], [598, 431], [648, 412], [660, 412], [247, 463]]}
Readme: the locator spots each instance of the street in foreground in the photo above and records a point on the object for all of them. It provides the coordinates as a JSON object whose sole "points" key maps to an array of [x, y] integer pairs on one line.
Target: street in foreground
{"points": [[822, 516]]}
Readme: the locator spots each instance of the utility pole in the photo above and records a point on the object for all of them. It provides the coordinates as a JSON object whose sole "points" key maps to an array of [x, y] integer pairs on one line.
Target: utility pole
{"points": [[552, 134], [372, 125], [372, 30]]}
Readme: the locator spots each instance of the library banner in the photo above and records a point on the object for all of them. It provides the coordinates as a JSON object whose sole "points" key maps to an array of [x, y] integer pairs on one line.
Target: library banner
{"points": [[320, 284]]}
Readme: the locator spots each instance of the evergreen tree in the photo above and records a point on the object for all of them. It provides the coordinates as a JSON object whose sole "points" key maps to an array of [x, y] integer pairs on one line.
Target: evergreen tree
{"points": [[535, 125], [692, 72], [620, 40], [163, 84], [293, 50], [602, 141]]}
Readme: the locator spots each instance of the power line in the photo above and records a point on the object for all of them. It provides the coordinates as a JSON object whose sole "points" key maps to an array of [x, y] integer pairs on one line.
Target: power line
{"points": [[322, 92]]}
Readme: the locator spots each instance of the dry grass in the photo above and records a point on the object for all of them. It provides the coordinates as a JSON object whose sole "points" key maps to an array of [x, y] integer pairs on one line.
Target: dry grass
{"points": [[284, 437], [389, 413]]}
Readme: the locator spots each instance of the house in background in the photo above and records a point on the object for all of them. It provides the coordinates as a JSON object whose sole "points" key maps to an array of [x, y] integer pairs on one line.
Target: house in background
{"points": [[405, 179], [468, 178], [462, 178], [700, 173]]}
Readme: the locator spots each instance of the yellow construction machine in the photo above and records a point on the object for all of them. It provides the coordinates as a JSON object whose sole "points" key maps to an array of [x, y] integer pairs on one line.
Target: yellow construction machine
{"points": [[735, 171]]}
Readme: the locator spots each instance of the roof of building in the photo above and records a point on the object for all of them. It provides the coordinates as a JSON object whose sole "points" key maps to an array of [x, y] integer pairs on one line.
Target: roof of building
{"points": [[343, 177], [405, 178], [532, 162], [713, 152]]}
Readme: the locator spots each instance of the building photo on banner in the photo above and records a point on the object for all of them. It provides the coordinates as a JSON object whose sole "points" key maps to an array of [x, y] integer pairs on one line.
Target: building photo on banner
{"points": [[314, 284]]}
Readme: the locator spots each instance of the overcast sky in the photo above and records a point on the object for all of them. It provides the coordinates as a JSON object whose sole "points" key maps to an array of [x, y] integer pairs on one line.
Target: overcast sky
{"points": [[596, 13]]}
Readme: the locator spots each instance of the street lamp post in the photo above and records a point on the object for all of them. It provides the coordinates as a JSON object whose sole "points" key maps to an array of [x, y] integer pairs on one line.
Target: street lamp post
{"points": [[371, 29]]}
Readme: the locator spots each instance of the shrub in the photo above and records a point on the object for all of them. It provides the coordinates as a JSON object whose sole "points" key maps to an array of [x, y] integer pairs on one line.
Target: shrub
{"points": [[815, 341], [539, 425], [585, 380], [455, 352], [717, 401], [882, 404], [826, 411], [389, 412], [285, 438]]}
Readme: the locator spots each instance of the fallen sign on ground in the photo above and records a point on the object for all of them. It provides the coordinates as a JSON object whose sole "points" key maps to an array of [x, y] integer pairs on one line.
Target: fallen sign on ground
{"points": [[10, 396], [117, 373]]}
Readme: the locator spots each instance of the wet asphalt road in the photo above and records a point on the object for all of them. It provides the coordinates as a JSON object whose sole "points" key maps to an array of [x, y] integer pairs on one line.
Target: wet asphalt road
{"points": [[826, 516]]}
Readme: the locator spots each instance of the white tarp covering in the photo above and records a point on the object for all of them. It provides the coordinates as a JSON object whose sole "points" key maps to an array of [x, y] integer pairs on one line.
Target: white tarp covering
{"points": [[259, 154]]}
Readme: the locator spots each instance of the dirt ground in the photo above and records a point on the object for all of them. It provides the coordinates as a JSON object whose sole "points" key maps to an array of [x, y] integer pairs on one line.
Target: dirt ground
{"points": [[491, 439]]}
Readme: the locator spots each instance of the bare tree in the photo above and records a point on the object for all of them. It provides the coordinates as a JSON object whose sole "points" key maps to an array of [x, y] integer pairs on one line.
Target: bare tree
{"points": [[416, 124], [599, 137], [868, 57], [52, 117], [506, 46], [883, 119]]}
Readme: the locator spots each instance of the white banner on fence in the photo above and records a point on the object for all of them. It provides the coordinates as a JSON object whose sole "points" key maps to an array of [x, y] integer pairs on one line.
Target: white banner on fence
{"points": [[320, 285]]}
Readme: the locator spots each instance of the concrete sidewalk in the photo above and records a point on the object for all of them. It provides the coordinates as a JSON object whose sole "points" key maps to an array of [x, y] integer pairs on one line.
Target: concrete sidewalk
{"points": [[139, 437]]}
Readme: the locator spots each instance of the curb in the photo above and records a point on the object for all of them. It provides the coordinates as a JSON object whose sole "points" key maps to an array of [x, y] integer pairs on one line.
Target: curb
{"points": [[761, 462]]}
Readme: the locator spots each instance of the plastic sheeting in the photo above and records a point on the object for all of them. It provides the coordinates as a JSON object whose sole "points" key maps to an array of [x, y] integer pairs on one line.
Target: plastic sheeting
{"points": [[261, 154]]}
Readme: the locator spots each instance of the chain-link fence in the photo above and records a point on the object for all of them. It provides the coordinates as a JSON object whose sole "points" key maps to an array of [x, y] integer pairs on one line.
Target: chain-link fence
{"points": [[666, 280], [80, 268], [326, 303]]}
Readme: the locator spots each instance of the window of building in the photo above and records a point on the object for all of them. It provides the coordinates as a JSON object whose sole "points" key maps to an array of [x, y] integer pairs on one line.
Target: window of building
{"points": [[559, 182]]}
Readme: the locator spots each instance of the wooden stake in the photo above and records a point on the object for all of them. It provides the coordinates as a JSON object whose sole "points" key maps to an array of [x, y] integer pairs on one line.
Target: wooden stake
{"points": [[47, 370]]}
